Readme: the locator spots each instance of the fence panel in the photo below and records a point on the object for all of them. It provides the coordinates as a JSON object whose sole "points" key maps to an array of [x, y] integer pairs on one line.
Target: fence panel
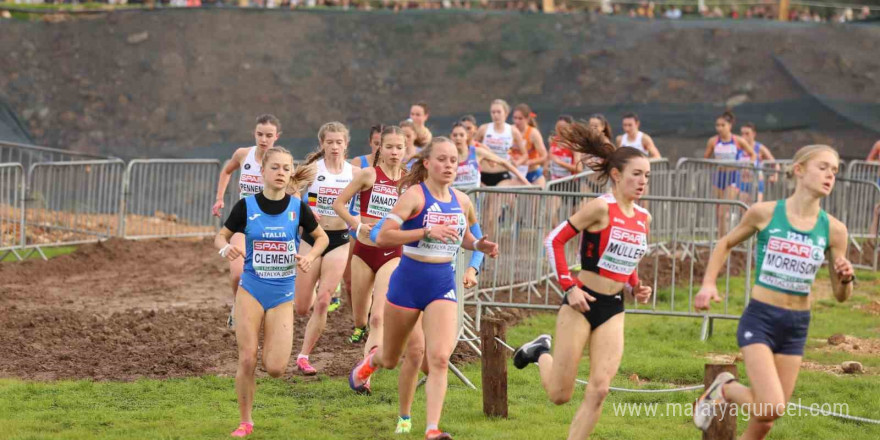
{"points": [[28, 155], [73, 202], [12, 186], [170, 198]]}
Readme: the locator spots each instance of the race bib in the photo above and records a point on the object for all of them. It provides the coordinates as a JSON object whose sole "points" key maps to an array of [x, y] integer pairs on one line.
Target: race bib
{"points": [[323, 202], [382, 199], [438, 248], [624, 250], [557, 170], [249, 185], [791, 265], [274, 259], [467, 177]]}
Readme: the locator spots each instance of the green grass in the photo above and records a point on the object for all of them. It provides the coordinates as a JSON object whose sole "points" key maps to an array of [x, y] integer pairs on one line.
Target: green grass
{"points": [[665, 351], [49, 251]]}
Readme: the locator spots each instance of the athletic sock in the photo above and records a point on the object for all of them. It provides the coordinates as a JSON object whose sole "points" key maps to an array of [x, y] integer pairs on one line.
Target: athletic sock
{"points": [[431, 427], [405, 417], [302, 356]]}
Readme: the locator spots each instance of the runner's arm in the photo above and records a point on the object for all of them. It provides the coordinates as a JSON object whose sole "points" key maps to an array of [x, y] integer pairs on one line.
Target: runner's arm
{"points": [[755, 218], [409, 204], [310, 226], [838, 241], [744, 147], [874, 155], [226, 173], [538, 143], [486, 154], [710, 146], [650, 147], [362, 180], [595, 211], [519, 143]]}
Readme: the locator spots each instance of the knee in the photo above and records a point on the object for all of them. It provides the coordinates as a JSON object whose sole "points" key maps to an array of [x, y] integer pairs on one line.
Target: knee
{"points": [[275, 371], [561, 396], [599, 389], [302, 308], [247, 362], [387, 362], [438, 362], [323, 301], [768, 412]]}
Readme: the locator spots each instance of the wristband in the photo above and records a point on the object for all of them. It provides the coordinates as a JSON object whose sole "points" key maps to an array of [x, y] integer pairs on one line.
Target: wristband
{"points": [[357, 230], [396, 218], [225, 250]]}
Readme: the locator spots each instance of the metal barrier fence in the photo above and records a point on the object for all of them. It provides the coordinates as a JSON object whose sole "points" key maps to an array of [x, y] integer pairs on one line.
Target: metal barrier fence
{"points": [[28, 155], [12, 185], [518, 278], [73, 202], [170, 198]]}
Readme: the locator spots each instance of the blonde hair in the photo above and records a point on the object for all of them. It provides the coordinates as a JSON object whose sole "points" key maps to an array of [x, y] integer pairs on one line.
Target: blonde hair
{"points": [[302, 174], [803, 155], [418, 173], [330, 127], [503, 104]]}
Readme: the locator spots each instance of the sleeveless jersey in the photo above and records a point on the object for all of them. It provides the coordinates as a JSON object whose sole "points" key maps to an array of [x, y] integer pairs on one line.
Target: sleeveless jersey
{"points": [[725, 150], [530, 150], [468, 175], [327, 187], [499, 143], [563, 154], [250, 177], [788, 259], [271, 242], [615, 252], [637, 143], [377, 201], [436, 213]]}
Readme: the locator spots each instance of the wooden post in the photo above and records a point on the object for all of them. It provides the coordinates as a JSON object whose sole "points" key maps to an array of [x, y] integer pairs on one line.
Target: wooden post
{"points": [[494, 363], [723, 426], [783, 10]]}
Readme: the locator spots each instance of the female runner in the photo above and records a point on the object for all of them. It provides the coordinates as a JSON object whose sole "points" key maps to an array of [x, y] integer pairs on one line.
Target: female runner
{"points": [[500, 137], [524, 121]]}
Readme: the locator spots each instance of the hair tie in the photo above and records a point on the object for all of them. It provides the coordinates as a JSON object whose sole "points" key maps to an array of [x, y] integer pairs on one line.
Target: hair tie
{"points": [[533, 115]]}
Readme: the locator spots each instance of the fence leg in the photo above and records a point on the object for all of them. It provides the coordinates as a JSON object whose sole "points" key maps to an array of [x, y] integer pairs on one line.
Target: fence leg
{"points": [[494, 362], [705, 329], [723, 425]]}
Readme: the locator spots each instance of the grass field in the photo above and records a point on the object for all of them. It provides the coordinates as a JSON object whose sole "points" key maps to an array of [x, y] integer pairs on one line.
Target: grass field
{"points": [[49, 251], [665, 352]]}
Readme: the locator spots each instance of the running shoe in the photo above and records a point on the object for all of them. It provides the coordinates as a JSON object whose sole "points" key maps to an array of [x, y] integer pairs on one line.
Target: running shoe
{"points": [[243, 430], [436, 434], [531, 351], [704, 410], [361, 374], [304, 367], [334, 304], [404, 426], [358, 335]]}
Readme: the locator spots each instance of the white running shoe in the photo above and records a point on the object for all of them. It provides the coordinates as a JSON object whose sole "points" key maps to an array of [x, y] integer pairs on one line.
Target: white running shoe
{"points": [[704, 410]]}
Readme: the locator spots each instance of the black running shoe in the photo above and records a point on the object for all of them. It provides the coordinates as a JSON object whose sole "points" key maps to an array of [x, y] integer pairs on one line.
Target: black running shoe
{"points": [[531, 351]]}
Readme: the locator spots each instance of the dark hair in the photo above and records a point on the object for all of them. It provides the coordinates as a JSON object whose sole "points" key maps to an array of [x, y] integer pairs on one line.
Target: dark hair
{"points": [[750, 125], [373, 130], [566, 118], [269, 119], [424, 106], [630, 115], [607, 127], [468, 118], [527, 112], [386, 130], [728, 116], [457, 124], [581, 138], [418, 173]]}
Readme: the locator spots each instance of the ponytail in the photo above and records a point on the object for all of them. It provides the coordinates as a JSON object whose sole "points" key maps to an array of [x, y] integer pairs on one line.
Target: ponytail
{"points": [[419, 173], [526, 111], [583, 139]]}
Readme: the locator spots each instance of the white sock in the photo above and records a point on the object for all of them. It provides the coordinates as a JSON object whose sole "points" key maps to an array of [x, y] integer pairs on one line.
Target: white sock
{"points": [[430, 427], [302, 356]]}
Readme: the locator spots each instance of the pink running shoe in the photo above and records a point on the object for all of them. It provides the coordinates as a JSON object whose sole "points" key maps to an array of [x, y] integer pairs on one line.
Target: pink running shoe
{"points": [[304, 367], [243, 430]]}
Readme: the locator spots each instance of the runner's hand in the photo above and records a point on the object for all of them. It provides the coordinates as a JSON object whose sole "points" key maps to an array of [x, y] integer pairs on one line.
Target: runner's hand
{"points": [[303, 262], [579, 300], [233, 253], [444, 233], [487, 247], [702, 300], [363, 231], [843, 268], [218, 206], [470, 277], [642, 293]]}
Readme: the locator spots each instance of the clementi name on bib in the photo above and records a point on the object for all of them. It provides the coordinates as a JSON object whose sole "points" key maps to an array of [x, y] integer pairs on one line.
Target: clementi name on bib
{"points": [[274, 259], [624, 250], [791, 265]]}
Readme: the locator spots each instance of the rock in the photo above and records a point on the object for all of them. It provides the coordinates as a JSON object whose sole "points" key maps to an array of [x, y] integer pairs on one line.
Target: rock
{"points": [[738, 358], [138, 38], [634, 378], [836, 339], [736, 100], [852, 367]]}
